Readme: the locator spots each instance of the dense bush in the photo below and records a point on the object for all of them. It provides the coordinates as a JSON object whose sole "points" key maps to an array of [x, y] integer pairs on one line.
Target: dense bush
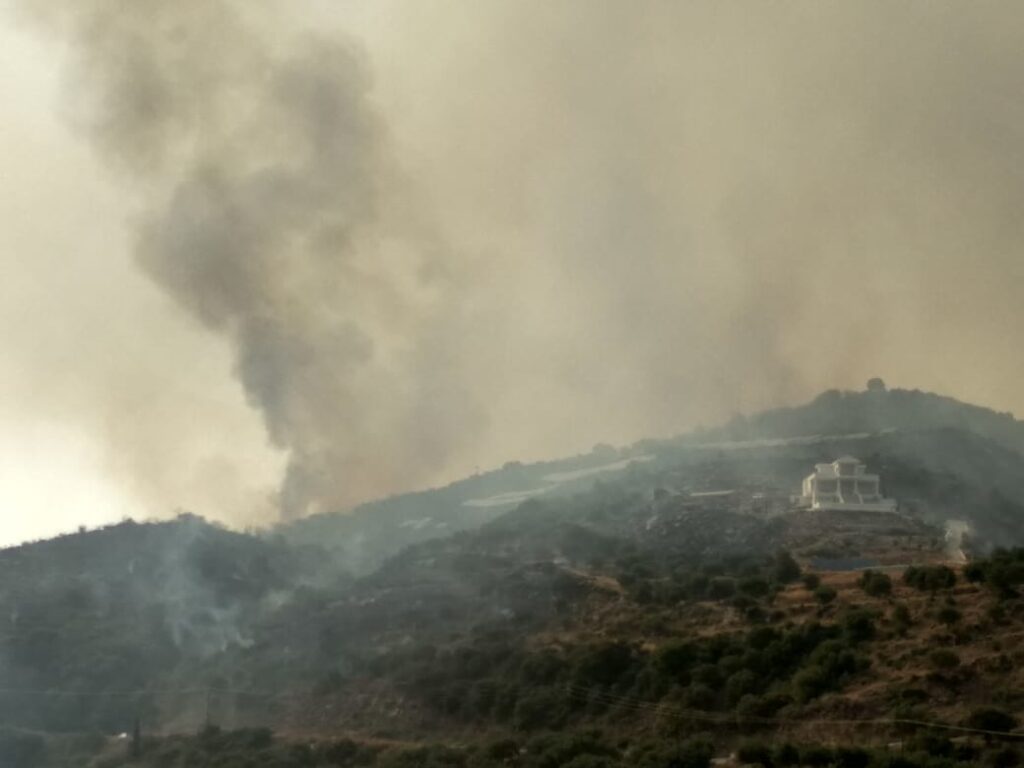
{"points": [[816, 756], [786, 568], [754, 586], [858, 625], [929, 578], [755, 753], [721, 588], [948, 614], [991, 719], [824, 594], [540, 708], [875, 584], [852, 757], [786, 755], [433, 756], [830, 665], [602, 664], [943, 659], [1004, 757], [1003, 572], [555, 751], [901, 618], [691, 753]]}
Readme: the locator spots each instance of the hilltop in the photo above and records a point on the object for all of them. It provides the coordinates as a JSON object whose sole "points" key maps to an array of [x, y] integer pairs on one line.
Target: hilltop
{"points": [[948, 457]]}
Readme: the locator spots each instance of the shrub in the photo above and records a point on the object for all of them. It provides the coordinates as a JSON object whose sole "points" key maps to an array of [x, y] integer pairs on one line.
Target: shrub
{"points": [[591, 761], [1004, 576], [721, 588], [541, 708], [700, 696], [875, 584], [991, 719], [901, 617], [434, 756], [502, 750], [755, 753], [851, 757], [342, 752], [943, 659], [754, 586], [898, 761], [948, 615], [929, 578], [786, 568], [762, 706], [603, 664], [786, 755], [738, 685], [858, 626], [824, 594], [965, 753], [810, 683], [742, 603], [558, 750], [827, 668], [1004, 757], [541, 668], [693, 753], [755, 615], [811, 581], [932, 743], [816, 757], [974, 572], [674, 659], [708, 674]]}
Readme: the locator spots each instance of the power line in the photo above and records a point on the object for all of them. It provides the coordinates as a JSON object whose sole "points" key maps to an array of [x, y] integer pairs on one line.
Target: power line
{"points": [[580, 693], [151, 692], [659, 708]]}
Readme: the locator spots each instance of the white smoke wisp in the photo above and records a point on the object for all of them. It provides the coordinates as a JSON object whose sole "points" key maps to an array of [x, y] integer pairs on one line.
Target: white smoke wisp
{"points": [[957, 531]]}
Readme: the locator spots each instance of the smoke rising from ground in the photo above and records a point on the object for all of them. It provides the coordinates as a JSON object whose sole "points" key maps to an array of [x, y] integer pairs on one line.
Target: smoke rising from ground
{"points": [[641, 218], [271, 211]]}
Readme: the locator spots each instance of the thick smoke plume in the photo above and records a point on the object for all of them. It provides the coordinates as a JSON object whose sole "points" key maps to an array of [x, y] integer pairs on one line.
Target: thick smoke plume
{"points": [[664, 213], [271, 210]]}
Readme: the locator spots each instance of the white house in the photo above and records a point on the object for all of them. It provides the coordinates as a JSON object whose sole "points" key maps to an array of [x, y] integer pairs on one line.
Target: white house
{"points": [[843, 485]]}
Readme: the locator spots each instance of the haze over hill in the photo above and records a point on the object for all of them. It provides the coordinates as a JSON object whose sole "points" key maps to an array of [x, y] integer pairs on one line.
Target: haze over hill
{"points": [[968, 445], [396, 256]]}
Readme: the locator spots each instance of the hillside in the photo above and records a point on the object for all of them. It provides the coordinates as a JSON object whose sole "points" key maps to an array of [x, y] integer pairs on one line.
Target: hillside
{"points": [[961, 448], [661, 594], [534, 633]]}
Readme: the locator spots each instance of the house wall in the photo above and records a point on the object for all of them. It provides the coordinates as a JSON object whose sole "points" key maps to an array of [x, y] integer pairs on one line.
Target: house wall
{"points": [[844, 485]]}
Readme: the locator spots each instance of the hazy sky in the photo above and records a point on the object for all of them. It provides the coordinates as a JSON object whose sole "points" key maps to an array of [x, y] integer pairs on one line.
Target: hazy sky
{"points": [[383, 243]]}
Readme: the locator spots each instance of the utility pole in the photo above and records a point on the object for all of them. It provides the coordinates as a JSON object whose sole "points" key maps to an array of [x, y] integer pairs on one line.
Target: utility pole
{"points": [[136, 749]]}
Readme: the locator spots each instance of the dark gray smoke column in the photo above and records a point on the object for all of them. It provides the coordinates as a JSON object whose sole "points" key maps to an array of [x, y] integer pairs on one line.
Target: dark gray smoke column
{"points": [[269, 209]]}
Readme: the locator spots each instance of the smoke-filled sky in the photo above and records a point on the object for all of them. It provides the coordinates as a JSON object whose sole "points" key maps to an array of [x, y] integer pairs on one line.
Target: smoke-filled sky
{"points": [[265, 259]]}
